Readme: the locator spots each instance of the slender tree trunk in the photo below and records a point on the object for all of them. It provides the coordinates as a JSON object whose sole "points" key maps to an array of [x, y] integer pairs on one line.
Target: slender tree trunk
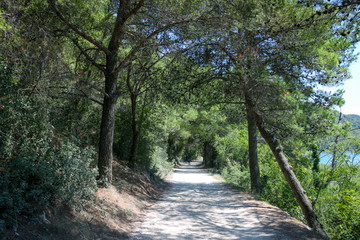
{"points": [[205, 161], [107, 125], [289, 174], [285, 167], [333, 160], [106, 140], [124, 12], [135, 131], [336, 142], [209, 155], [253, 157]]}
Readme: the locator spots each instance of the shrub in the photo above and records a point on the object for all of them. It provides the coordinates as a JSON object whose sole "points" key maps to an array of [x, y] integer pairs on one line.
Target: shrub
{"points": [[37, 166], [40, 172], [159, 162], [338, 209], [234, 175]]}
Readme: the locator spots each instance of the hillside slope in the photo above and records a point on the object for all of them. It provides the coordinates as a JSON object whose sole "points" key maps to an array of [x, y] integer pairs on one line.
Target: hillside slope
{"points": [[355, 123], [111, 215]]}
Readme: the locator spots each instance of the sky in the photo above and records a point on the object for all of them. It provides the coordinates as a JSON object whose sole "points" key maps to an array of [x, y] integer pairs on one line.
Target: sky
{"points": [[352, 90]]}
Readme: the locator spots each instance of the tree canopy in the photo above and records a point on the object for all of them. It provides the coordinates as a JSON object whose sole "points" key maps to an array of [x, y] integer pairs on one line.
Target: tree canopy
{"points": [[155, 83]]}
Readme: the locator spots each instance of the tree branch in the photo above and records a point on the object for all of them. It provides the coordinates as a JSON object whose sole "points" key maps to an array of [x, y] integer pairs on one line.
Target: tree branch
{"points": [[87, 56], [86, 96], [128, 76], [83, 95], [76, 30], [93, 86], [120, 20], [139, 46]]}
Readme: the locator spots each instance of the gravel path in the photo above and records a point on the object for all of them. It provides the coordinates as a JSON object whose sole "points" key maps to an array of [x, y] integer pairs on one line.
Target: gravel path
{"points": [[198, 206]]}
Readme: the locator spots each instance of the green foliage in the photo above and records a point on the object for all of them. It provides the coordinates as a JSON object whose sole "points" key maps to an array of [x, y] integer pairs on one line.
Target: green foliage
{"points": [[334, 193], [354, 119], [159, 162], [123, 133], [191, 152], [339, 202], [237, 177], [315, 157], [32, 179], [330, 191], [233, 157], [150, 132], [178, 128], [279, 51], [274, 186], [343, 214], [37, 166], [3, 25], [233, 148], [355, 123]]}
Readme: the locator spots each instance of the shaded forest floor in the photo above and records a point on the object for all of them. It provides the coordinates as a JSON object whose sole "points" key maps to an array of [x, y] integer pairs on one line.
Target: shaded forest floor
{"points": [[112, 214]]}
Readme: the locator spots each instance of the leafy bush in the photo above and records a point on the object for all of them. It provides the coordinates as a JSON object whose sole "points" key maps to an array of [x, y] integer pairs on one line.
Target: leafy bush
{"points": [[234, 175], [334, 194], [341, 214], [233, 148], [338, 203], [159, 162], [38, 166], [38, 172]]}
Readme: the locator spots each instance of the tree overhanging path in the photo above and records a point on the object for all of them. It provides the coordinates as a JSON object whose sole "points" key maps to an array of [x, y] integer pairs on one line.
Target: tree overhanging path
{"points": [[198, 206]]}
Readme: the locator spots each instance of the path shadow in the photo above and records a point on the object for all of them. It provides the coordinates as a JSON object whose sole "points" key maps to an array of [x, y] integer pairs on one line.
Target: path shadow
{"points": [[199, 209]]}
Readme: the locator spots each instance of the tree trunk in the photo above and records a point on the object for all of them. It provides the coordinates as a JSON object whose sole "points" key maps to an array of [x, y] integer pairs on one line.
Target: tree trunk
{"points": [[253, 158], [135, 131], [336, 142], [107, 129], [209, 154], [290, 176], [285, 167], [106, 140], [205, 157], [333, 160]]}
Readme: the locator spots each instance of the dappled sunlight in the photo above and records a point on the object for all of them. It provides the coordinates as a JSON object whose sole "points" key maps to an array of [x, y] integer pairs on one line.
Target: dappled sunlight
{"points": [[198, 206]]}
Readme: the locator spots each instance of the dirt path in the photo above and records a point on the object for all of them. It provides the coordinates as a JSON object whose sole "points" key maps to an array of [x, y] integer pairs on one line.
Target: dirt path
{"points": [[198, 206]]}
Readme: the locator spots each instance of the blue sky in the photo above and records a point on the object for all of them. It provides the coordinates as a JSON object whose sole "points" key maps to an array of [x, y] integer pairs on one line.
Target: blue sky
{"points": [[352, 90]]}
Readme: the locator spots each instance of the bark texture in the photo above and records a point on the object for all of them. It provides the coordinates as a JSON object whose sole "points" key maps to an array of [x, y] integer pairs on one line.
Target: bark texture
{"points": [[107, 129], [111, 72], [253, 157], [285, 167]]}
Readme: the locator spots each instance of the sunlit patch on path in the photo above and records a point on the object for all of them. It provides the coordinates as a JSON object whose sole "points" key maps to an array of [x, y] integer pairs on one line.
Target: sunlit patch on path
{"points": [[198, 206]]}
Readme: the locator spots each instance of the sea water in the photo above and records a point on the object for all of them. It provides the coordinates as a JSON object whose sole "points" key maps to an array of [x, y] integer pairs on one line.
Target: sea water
{"points": [[325, 158]]}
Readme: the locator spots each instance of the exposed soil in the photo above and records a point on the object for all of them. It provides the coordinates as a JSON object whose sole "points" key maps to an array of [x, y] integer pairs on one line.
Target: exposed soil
{"points": [[111, 215], [198, 206], [191, 205]]}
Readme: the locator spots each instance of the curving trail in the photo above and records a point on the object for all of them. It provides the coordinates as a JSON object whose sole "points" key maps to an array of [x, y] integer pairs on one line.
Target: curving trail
{"points": [[198, 206]]}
